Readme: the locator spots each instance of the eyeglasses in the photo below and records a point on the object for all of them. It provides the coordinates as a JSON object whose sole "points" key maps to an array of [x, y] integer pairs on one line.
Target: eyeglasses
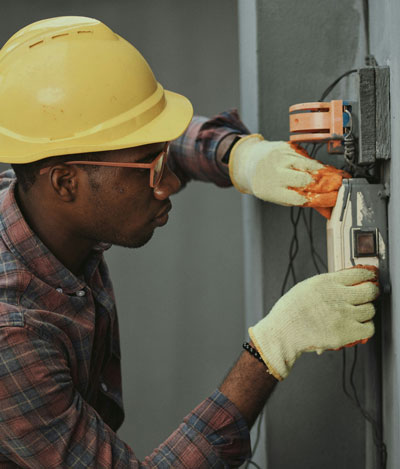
{"points": [[156, 166]]}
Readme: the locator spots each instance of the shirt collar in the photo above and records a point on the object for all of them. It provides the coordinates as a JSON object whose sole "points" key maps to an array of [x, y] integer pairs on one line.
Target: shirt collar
{"points": [[31, 251]]}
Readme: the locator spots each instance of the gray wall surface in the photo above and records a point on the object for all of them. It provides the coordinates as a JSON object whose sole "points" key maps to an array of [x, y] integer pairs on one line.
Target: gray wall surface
{"points": [[299, 51], [180, 297], [385, 44], [302, 49]]}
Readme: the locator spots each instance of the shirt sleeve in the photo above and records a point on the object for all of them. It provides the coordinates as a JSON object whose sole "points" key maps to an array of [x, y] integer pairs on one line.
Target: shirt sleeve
{"points": [[193, 155], [45, 422]]}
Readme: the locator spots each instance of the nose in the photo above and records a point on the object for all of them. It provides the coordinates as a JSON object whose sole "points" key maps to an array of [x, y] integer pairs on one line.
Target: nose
{"points": [[169, 184]]}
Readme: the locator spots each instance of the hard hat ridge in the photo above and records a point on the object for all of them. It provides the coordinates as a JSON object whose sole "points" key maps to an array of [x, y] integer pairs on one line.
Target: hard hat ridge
{"points": [[71, 85]]}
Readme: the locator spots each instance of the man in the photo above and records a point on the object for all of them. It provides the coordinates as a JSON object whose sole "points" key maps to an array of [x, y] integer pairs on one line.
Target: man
{"points": [[86, 128]]}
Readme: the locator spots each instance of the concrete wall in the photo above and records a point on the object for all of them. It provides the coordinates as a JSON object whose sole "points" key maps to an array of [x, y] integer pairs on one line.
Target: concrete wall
{"points": [[301, 49], [385, 44], [180, 297]]}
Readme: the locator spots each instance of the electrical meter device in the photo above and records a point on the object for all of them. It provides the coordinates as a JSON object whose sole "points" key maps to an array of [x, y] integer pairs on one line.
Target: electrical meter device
{"points": [[357, 231]]}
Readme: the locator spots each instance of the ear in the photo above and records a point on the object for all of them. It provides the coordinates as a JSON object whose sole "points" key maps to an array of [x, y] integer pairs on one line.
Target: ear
{"points": [[64, 181]]}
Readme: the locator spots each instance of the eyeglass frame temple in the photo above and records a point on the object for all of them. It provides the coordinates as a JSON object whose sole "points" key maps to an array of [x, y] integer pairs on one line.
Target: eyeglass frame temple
{"points": [[150, 166]]}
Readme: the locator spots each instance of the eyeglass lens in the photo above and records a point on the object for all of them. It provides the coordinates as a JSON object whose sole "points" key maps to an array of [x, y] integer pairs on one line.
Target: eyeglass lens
{"points": [[158, 169]]}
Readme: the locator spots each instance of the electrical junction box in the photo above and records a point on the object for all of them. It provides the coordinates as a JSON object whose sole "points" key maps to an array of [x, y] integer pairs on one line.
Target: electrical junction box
{"points": [[321, 122], [357, 230], [357, 233], [335, 122]]}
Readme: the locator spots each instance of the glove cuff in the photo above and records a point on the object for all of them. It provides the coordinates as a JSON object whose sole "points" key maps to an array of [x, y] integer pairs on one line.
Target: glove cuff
{"points": [[278, 356], [260, 350], [239, 155]]}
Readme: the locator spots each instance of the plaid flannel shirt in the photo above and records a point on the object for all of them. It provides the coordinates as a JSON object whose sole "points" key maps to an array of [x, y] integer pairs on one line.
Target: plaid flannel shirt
{"points": [[192, 156], [60, 375]]}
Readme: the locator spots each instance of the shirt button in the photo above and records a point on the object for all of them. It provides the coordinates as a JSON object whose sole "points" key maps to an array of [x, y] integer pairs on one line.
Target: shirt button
{"points": [[60, 290], [104, 387], [80, 293]]}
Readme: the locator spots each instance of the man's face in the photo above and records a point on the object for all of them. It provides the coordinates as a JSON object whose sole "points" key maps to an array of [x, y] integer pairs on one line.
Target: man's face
{"points": [[118, 206]]}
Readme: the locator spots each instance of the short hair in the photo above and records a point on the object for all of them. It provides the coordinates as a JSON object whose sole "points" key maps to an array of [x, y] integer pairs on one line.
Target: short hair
{"points": [[27, 173]]}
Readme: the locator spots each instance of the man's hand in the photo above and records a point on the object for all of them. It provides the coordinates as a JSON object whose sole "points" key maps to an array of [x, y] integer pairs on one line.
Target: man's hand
{"points": [[328, 311], [284, 174]]}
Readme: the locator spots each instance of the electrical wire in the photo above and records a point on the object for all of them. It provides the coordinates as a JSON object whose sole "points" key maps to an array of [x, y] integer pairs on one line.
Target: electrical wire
{"points": [[315, 256], [293, 249], [366, 27], [357, 169], [296, 213], [354, 398], [369, 58], [333, 84], [308, 224], [377, 433]]}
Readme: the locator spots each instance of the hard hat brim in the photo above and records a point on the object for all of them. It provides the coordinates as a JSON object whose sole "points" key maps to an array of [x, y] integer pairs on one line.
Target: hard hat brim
{"points": [[168, 125]]}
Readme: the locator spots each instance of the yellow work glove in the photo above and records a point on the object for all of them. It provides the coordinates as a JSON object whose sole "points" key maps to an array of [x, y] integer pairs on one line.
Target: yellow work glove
{"points": [[328, 311], [284, 174]]}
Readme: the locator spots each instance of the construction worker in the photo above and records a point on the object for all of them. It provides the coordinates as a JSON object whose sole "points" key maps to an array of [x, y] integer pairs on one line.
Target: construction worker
{"points": [[86, 127]]}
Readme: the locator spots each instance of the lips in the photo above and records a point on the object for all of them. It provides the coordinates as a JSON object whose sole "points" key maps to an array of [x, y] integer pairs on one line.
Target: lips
{"points": [[164, 211], [162, 217]]}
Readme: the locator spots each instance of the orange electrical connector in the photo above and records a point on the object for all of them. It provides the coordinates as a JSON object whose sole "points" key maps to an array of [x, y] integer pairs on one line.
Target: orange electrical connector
{"points": [[318, 122]]}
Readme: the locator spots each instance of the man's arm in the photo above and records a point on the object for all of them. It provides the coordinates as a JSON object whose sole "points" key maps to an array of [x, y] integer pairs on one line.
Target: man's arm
{"points": [[248, 385], [214, 150], [198, 152], [327, 311], [46, 422]]}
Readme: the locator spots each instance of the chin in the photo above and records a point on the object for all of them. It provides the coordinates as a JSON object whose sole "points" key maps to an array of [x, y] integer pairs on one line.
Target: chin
{"points": [[134, 243]]}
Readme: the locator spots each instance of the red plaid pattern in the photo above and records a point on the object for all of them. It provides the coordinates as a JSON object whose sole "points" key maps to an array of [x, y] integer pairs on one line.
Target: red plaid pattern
{"points": [[60, 378], [193, 154]]}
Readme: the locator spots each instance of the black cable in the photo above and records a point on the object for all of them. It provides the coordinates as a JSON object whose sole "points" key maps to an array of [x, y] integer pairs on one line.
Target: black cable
{"points": [[333, 84], [366, 27], [369, 58], [293, 249], [354, 398], [314, 254], [347, 393], [364, 171], [352, 167], [377, 432]]}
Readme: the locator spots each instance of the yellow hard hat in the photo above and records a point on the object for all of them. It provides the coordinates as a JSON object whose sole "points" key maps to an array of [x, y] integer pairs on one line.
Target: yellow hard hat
{"points": [[71, 85]]}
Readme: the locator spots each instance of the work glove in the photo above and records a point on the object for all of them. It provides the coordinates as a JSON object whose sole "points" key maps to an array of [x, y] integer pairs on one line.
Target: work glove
{"points": [[328, 311], [284, 174]]}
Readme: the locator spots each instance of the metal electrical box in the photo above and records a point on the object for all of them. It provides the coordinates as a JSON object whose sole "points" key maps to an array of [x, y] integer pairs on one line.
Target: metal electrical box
{"points": [[357, 230]]}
